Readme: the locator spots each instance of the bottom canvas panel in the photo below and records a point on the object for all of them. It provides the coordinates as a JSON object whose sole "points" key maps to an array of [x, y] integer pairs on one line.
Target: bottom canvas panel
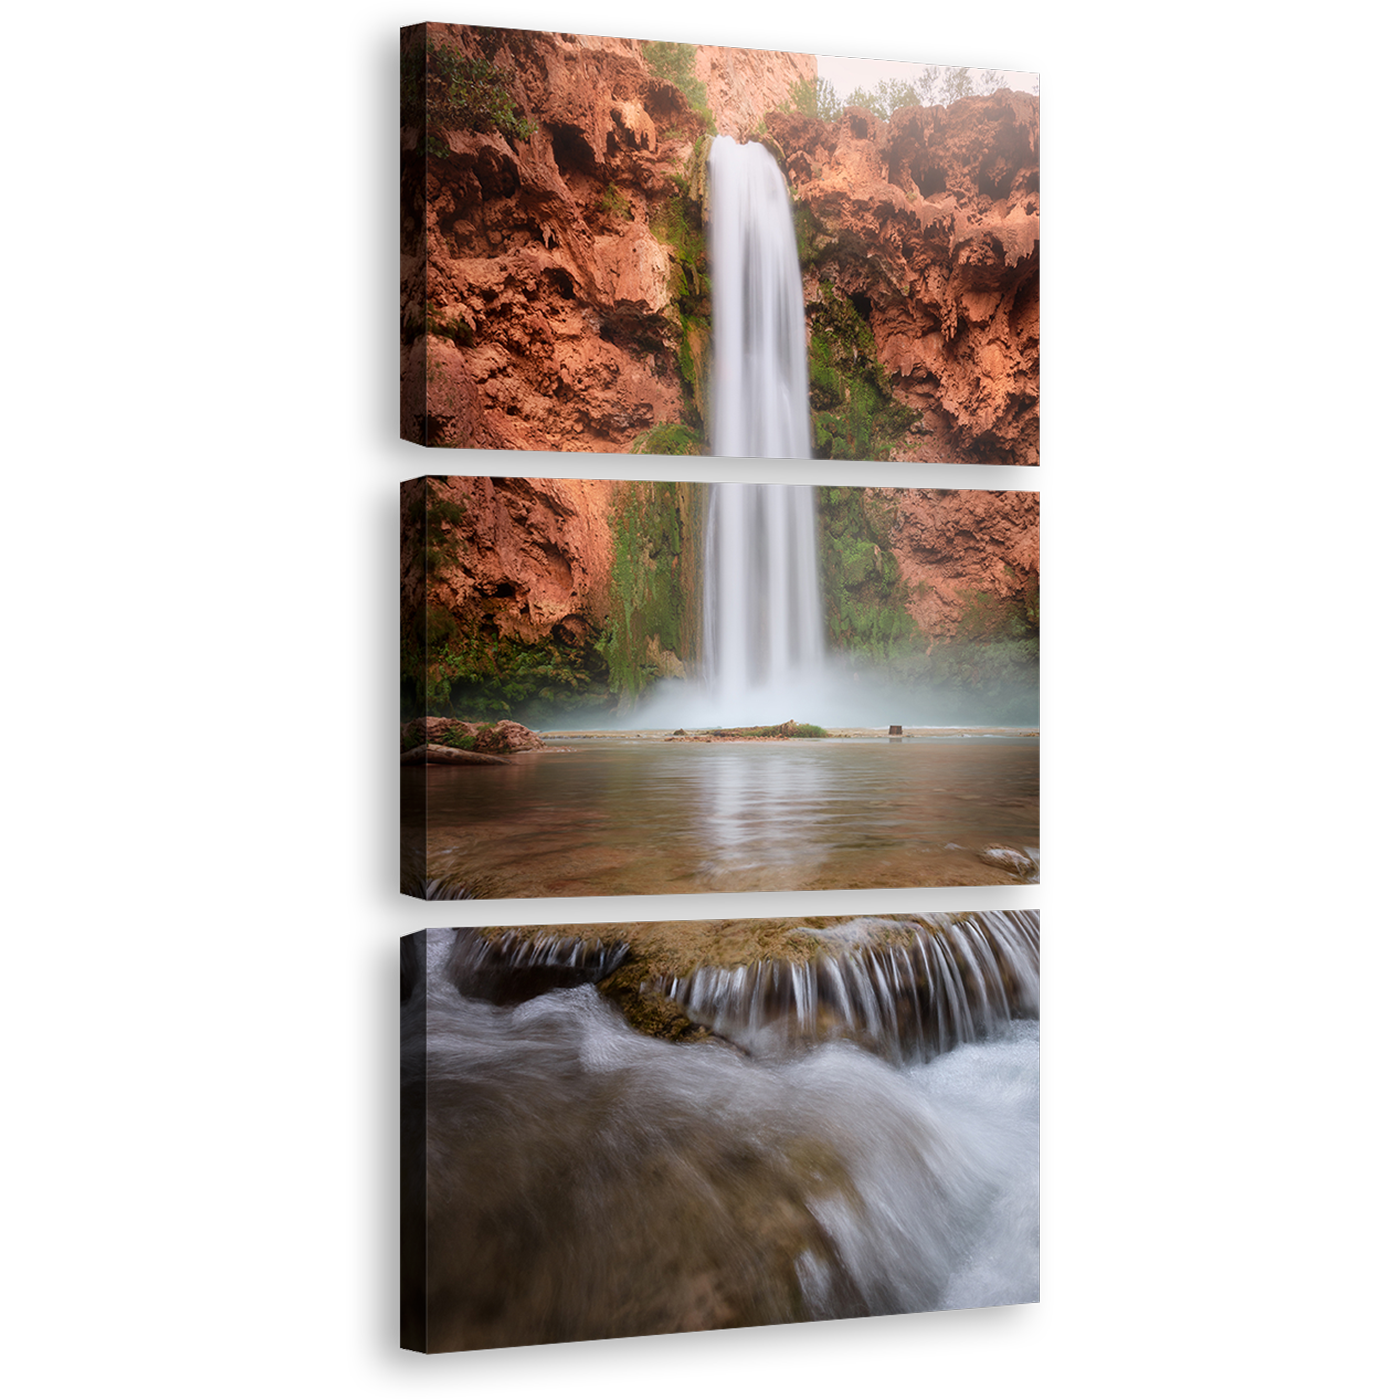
{"points": [[603, 1137]]}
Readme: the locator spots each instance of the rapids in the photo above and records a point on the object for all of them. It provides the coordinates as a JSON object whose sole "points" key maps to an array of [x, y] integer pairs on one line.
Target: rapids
{"points": [[565, 1177]]}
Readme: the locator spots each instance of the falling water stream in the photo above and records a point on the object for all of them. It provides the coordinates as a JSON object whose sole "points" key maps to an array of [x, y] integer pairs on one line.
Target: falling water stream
{"points": [[760, 334], [584, 1180], [762, 601]]}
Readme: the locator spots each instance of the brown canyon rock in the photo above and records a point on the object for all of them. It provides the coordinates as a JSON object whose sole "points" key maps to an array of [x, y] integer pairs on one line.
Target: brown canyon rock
{"points": [[952, 545], [530, 558], [545, 290], [744, 85], [931, 224]]}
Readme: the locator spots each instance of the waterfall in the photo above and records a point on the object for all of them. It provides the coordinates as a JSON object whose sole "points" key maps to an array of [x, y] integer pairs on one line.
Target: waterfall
{"points": [[907, 989], [760, 333], [762, 602], [519, 966]]}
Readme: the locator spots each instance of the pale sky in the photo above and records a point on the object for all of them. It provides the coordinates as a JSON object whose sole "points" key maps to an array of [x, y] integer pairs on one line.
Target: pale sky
{"points": [[844, 74]]}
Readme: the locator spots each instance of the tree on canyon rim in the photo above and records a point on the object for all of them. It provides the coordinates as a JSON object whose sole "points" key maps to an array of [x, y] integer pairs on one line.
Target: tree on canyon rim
{"points": [[941, 83]]}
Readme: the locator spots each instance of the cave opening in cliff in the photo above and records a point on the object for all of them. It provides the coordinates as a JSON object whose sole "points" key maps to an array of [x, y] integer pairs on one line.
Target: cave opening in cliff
{"points": [[994, 180], [930, 180], [572, 151]]}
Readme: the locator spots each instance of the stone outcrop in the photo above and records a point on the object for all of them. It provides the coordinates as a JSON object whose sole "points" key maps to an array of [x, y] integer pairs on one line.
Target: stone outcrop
{"points": [[521, 557], [744, 85], [956, 546], [443, 753], [438, 739], [930, 224]]}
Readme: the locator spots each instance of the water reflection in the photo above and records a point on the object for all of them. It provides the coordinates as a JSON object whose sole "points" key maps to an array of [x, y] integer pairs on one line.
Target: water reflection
{"points": [[617, 817]]}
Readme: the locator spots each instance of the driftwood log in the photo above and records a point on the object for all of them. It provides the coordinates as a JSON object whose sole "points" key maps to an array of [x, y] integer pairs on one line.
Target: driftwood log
{"points": [[442, 753]]}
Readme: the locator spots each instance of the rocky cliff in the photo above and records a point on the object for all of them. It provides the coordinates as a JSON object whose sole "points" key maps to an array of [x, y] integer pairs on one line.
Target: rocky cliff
{"points": [[967, 557], [929, 226], [538, 293], [526, 597], [744, 85], [555, 280], [524, 558]]}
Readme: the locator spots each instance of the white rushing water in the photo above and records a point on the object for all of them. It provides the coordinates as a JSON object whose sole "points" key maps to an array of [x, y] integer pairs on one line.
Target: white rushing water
{"points": [[584, 1180], [760, 333], [763, 646], [908, 988]]}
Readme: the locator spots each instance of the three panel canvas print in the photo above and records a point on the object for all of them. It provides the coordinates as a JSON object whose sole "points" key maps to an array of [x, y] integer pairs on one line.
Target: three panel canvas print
{"points": [[662, 686]]}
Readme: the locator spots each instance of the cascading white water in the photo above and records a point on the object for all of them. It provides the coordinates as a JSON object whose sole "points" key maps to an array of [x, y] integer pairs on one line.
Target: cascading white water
{"points": [[908, 989], [566, 1177], [763, 619], [760, 334]]}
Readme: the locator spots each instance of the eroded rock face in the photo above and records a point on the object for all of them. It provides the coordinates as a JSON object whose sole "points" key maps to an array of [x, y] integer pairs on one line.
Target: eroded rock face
{"points": [[930, 223], [529, 559], [954, 545], [543, 291], [744, 85]]}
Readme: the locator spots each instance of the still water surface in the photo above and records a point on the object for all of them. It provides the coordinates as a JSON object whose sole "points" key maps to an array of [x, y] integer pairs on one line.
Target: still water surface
{"points": [[620, 817]]}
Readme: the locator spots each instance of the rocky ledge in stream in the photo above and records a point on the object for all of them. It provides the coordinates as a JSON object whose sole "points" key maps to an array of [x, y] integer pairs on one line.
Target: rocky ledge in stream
{"points": [[906, 987], [438, 739]]}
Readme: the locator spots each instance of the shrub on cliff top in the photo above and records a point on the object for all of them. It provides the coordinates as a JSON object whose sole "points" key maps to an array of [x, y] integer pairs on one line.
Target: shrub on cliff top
{"points": [[444, 90], [813, 98], [675, 64]]}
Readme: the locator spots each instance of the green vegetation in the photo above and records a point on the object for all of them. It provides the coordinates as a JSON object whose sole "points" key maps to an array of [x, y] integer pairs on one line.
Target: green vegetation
{"points": [[813, 98], [885, 99], [988, 673], [854, 413], [675, 63], [441, 89], [438, 511], [455, 328], [866, 597], [613, 202], [670, 440], [481, 674], [412, 58], [941, 83], [984, 674], [677, 224], [651, 605], [472, 671]]}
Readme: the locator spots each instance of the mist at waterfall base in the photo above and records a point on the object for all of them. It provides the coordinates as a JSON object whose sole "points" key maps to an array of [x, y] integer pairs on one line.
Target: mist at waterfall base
{"points": [[759, 376], [581, 1180], [764, 658]]}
